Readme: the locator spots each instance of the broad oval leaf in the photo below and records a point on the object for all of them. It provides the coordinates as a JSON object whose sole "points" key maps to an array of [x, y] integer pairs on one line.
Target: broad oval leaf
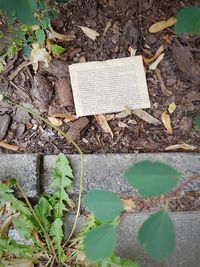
{"points": [[105, 205], [40, 35], [188, 20], [157, 235], [100, 242], [197, 121], [152, 178]]}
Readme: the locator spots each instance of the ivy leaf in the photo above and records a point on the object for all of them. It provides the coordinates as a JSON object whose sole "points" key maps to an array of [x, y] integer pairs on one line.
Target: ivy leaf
{"points": [[157, 235], [23, 226], [40, 35], [57, 50], [43, 211], [26, 51], [152, 178], [57, 233], [100, 242], [188, 20], [197, 121], [105, 205]]}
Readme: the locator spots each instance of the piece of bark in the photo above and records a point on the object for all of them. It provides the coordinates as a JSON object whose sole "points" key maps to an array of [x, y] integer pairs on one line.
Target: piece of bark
{"points": [[4, 124], [76, 129], [186, 63], [41, 92], [57, 68], [64, 92]]}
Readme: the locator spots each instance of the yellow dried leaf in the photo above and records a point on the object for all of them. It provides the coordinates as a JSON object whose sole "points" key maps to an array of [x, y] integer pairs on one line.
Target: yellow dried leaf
{"points": [[70, 118], [142, 114], [39, 54], [157, 54], [101, 120], [154, 65], [123, 114], [122, 124], [183, 146], [55, 35], [82, 60], [9, 147], [55, 122], [92, 34], [172, 107], [132, 51], [161, 25], [108, 25], [109, 117], [166, 120]]}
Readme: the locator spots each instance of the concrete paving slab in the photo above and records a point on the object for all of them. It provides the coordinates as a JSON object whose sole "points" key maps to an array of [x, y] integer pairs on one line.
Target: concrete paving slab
{"points": [[187, 239], [105, 171], [25, 168]]}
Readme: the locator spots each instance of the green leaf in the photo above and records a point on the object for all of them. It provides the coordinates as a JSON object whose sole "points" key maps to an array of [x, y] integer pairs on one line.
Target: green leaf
{"points": [[188, 20], [61, 182], [152, 178], [1, 67], [23, 226], [100, 242], [7, 196], [18, 250], [43, 211], [197, 121], [157, 235], [57, 50], [40, 35], [45, 21], [116, 262], [26, 51], [57, 233], [105, 205]]}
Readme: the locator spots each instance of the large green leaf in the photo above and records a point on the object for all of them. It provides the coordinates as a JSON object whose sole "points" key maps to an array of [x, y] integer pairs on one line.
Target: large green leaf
{"points": [[157, 235], [188, 20], [43, 211], [105, 205], [40, 35], [197, 121], [100, 242], [152, 178]]}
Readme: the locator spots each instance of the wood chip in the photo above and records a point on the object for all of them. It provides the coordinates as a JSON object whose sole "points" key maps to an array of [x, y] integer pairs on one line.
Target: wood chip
{"points": [[101, 120], [161, 25], [146, 116], [154, 65], [9, 146], [183, 146], [92, 34], [163, 88], [18, 69], [166, 120]]}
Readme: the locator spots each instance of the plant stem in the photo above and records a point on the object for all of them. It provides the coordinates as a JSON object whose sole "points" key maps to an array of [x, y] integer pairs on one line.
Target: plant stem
{"points": [[49, 243]]}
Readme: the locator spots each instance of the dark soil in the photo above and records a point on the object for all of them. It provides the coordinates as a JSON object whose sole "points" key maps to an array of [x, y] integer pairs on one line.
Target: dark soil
{"points": [[48, 91]]}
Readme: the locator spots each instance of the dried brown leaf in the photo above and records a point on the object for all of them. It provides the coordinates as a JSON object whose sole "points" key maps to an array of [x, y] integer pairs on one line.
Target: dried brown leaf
{"points": [[166, 120], [109, 117], [66, 116], [132, 51], [92, 34], [161, 25], [122, 124], [9, 146], [154, 65], [108, 25], [101, 120], [146, 116], [55, 35], [183, 146], [123, 114], [82, 60], [55, 122], [157, 54]]}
